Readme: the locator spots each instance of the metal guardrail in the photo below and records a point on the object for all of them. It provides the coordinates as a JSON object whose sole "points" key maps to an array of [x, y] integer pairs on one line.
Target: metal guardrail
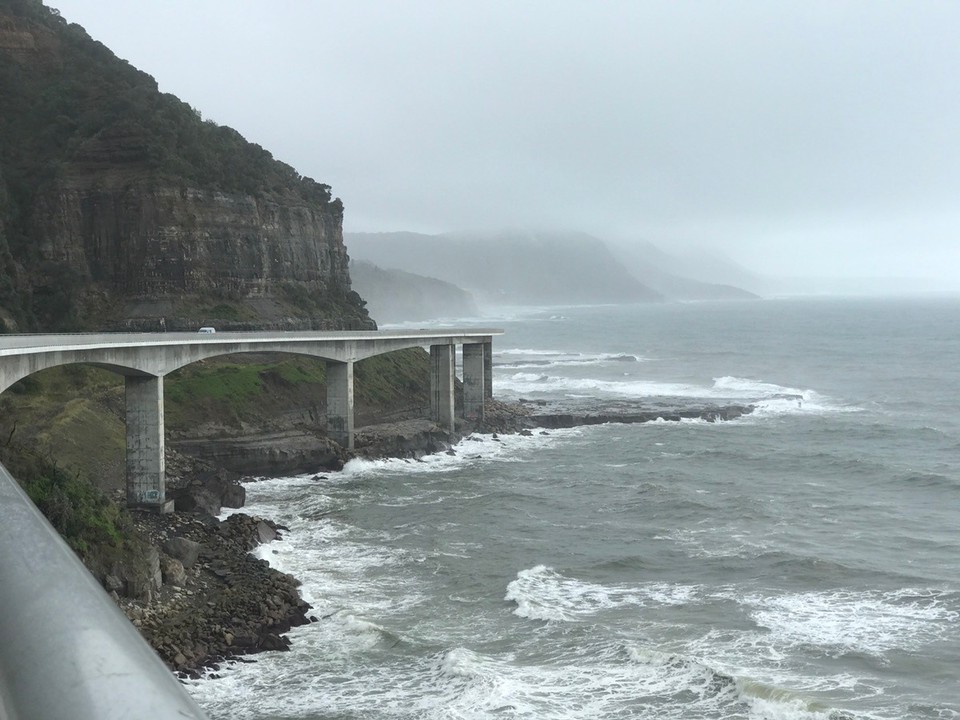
{"points": [[67, 652]]}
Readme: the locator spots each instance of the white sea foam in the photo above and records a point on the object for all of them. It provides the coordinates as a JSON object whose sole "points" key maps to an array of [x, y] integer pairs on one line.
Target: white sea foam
{"points": [[526, 358], [842, 621], [351, 664], [593, 680], [541, 593], [772, 399], [475, 448], [532, 383], [605, 680], [461, 662], [530, 351], [768, 398]]}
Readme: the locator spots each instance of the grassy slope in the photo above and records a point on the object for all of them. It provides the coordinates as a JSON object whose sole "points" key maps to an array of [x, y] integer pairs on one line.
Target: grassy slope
{"points": [[264, 390], [72, 417]]}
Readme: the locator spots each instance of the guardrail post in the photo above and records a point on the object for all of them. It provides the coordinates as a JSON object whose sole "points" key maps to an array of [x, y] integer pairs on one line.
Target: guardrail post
{"points": [[146, 478], [340, 402]]}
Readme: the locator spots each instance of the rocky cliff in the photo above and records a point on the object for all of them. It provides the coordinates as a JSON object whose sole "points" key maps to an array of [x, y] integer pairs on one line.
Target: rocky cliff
{"points": [[121, 208], [147, 254]]}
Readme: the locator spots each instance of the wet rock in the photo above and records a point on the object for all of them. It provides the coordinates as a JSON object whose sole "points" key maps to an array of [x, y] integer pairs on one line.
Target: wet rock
{"points": [[275, 642], [234, 496], [230, 603], [265, 533], [197, 498], [112, 583], [182, 549], [173, 572], [708, 413], [405, 439], [269, 452]]}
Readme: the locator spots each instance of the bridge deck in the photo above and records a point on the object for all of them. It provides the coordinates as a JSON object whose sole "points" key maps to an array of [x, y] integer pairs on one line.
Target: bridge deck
{"points": [[145, 358], [16, 344]]}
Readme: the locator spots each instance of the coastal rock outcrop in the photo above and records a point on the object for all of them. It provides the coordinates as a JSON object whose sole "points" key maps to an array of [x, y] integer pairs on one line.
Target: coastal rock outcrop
{"points": [[712, 413], [217, 600], [279, 452], [405, 439]]}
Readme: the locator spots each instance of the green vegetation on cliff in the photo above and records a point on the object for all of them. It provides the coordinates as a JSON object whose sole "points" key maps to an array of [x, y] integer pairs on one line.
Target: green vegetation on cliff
{"points": [[79, 511], [98, 529], [76, 97], [243, 390]]}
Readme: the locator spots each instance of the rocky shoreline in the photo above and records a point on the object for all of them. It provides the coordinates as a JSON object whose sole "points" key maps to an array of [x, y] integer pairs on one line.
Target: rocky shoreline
{"points": [[215, 600], [202, 597]]}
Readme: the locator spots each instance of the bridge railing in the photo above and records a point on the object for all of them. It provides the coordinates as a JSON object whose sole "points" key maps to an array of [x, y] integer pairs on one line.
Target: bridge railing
{"points": [[66, 650]]}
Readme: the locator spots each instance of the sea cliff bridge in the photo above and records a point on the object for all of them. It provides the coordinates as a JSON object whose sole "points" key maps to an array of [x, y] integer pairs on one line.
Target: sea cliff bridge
{"points": [[66, 650], [143, 359]]}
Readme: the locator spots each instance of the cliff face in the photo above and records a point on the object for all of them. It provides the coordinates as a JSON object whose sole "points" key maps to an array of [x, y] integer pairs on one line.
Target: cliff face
{"points": [[121, 208], [192, 256]]}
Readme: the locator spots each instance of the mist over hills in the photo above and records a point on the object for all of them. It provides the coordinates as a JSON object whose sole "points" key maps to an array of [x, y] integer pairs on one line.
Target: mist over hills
{"points": [[395, 295], [690, 275], [526, 268], [508, 268]]}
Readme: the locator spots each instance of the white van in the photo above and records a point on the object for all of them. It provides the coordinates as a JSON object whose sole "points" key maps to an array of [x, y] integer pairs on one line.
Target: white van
{"points": [[207, 330]]}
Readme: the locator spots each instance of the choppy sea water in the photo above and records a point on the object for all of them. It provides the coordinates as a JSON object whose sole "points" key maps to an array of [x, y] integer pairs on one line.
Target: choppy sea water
{"points": [[801, 562]]}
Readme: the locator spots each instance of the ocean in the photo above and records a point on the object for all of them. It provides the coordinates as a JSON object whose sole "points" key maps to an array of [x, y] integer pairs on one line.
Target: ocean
{"points": [[801, 562]]}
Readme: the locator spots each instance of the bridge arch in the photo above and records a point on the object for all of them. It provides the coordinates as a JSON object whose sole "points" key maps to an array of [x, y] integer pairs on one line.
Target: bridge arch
{"points": [[17, 368]]}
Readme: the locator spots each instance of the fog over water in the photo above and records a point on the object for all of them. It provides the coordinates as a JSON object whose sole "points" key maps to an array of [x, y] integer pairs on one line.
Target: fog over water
{"points": [[798, 138]]}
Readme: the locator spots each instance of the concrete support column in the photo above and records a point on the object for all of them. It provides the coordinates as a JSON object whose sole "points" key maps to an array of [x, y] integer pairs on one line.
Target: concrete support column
{"points": [[340, 402], [146, 479], [442, 375], [488, 370], [474, 381]]}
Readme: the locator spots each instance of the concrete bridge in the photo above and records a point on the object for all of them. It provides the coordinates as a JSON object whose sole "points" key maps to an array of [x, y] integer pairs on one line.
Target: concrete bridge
{"points": [[143, 359]]}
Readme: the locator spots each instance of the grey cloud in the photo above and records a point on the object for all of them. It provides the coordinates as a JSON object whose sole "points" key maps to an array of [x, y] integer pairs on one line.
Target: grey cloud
{"points": [[763, 128]]}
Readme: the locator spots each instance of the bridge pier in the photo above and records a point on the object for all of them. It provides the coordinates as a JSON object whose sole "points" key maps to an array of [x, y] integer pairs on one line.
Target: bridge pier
{"points": [[476, 362], [442, 376], [146, 471], [340, 402], [488, 370]]}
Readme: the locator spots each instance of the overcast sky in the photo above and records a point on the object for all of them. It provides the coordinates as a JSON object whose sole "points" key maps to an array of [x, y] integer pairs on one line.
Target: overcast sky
{"points": [[799, 137]]}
